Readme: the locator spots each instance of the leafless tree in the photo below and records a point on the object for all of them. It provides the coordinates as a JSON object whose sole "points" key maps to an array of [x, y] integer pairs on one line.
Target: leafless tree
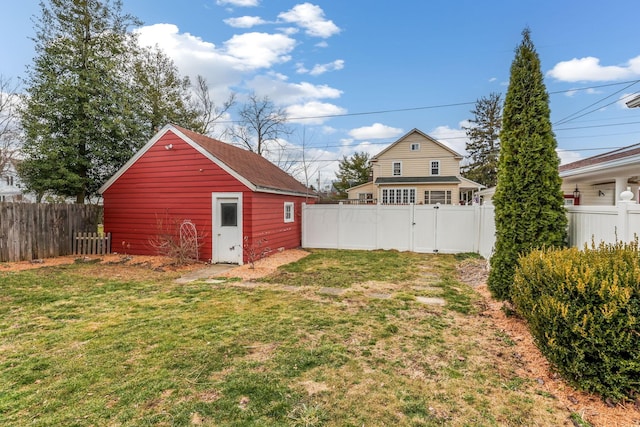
{"points": [[261, 126], [209, 112], [9, 128]]}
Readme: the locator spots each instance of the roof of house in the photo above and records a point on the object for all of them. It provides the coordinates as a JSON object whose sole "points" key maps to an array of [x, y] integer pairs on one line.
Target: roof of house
{"points": [[616, 155], [634, 102], [418, 180], [256, 172], [418, 131]]}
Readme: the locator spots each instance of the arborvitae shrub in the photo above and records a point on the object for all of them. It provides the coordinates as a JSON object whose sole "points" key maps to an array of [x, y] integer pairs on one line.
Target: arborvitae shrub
{"points": [[583, 310]]}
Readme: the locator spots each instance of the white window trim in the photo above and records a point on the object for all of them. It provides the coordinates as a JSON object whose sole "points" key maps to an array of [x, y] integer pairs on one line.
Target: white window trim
{"points": [[398, 195], [416, 145], [431, 162], [393, 168], [290, 217]]}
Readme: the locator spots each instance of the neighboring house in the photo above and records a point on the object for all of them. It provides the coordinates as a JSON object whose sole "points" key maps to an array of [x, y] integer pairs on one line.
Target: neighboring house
{"points": [[597, 180], [234, 197], [10, 190], [416, 169], [634, 103]]}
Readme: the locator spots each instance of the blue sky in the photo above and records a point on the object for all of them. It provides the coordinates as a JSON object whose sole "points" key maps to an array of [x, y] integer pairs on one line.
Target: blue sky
{"points": [[385, 68]]}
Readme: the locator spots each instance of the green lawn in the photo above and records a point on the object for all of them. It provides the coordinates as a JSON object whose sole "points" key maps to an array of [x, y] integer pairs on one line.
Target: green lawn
{"points": [[100, 345]]}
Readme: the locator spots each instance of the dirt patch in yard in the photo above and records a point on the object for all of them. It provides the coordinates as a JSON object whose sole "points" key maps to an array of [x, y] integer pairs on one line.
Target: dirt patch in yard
{"points": [[590, 407], [265, 266]]}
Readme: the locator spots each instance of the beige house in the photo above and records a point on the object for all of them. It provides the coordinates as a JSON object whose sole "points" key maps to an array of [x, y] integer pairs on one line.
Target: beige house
{"points": [[416, 169]]}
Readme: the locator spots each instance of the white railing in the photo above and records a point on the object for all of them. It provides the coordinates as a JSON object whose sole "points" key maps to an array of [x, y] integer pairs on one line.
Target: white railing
{"points": [[448, 229]]}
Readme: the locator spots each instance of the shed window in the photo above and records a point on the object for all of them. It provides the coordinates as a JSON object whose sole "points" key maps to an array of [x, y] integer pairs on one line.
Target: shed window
{"points": [[228, 214], [288, 211], [415, 146]]}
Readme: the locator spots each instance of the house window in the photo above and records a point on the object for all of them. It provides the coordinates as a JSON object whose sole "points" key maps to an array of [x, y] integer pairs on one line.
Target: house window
{"points": [[288, 211], [397, 168], [365, 197], [398, 196], [415, 146], [435, 167], [431, 197], [9, 179]]}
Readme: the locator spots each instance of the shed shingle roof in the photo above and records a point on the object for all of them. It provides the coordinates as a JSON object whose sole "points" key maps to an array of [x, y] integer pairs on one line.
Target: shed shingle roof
{"points": [[251, 166]]}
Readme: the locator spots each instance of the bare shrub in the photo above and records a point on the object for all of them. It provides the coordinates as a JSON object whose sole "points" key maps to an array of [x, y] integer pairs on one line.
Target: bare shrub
{"points": [[177, 239], [254, 250]]}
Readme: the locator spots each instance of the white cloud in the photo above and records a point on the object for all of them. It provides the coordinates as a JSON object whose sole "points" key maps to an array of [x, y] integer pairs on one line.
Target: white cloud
{"points": [[568, 156], [191, 54], [322, 44], [375, 131], [245, 21], [259, 50], [284, 93], [238, 3], [456, 139], [492, 79], [311, 18], [318, 69], [589, 69], [315, 110]]}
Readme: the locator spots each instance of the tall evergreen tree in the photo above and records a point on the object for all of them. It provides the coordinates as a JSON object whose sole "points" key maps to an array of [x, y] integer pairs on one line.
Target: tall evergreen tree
{"points": [[79, 120], [165, 94], [529, 205], [94, 97], [352, 171], [484, 144]]}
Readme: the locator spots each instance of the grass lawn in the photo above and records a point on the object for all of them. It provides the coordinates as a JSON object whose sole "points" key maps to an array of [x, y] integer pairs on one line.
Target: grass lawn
{"points": [[100, 345]]}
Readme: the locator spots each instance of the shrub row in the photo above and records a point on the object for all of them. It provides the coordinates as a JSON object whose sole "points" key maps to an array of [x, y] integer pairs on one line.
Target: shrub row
{"points": [[583, 310]]}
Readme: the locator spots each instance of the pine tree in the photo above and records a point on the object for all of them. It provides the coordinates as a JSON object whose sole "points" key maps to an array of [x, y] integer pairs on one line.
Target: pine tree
{"points": [[94, 97], [352, 171], [529, 205], [484, 145], [80, 120]]}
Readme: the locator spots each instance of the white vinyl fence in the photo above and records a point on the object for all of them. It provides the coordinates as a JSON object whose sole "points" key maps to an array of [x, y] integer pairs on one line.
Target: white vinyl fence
{"points": [[447, 229], [603, 223], [416, 228]]}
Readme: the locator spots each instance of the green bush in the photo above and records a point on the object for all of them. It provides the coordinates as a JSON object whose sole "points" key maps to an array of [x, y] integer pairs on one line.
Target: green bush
{"points": [[583, 310]]}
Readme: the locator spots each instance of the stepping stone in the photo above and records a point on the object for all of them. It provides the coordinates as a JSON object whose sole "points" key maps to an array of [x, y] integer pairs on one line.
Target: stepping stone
{"points": [[426, 288], [431, 301], [379, 296], [332, 291], [214, 281]]}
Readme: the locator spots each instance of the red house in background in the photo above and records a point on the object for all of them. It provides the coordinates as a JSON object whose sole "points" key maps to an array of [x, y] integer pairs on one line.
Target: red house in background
{"points": [[233, 197]]}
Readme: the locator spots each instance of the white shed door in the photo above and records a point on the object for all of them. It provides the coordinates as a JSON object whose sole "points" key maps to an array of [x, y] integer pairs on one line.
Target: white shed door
{"points": [[227, 230]]}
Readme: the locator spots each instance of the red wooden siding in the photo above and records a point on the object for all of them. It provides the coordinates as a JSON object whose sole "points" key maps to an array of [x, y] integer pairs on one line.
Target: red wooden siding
{"points": [[165, 185], [267, 221], [176, 184]]}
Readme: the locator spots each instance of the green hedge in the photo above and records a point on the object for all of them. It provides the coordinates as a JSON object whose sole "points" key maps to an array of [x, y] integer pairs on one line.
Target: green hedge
{"points": [[583, 310]]}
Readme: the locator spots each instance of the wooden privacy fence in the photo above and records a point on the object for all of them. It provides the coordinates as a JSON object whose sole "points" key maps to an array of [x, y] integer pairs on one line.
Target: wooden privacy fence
{"points": [[92, 244], [42, 230]]}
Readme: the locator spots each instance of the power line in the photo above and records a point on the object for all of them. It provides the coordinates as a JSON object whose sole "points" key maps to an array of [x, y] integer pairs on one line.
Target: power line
{"points": [[571, 116], [428, 107]]}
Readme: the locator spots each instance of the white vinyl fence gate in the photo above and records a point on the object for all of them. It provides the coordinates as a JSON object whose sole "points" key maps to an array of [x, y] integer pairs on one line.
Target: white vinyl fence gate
{"points": [[416, 228], [449, 229]]}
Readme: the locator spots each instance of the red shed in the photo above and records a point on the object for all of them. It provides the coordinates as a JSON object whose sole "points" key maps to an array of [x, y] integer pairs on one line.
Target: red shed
{"points": [[235, 198]]}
